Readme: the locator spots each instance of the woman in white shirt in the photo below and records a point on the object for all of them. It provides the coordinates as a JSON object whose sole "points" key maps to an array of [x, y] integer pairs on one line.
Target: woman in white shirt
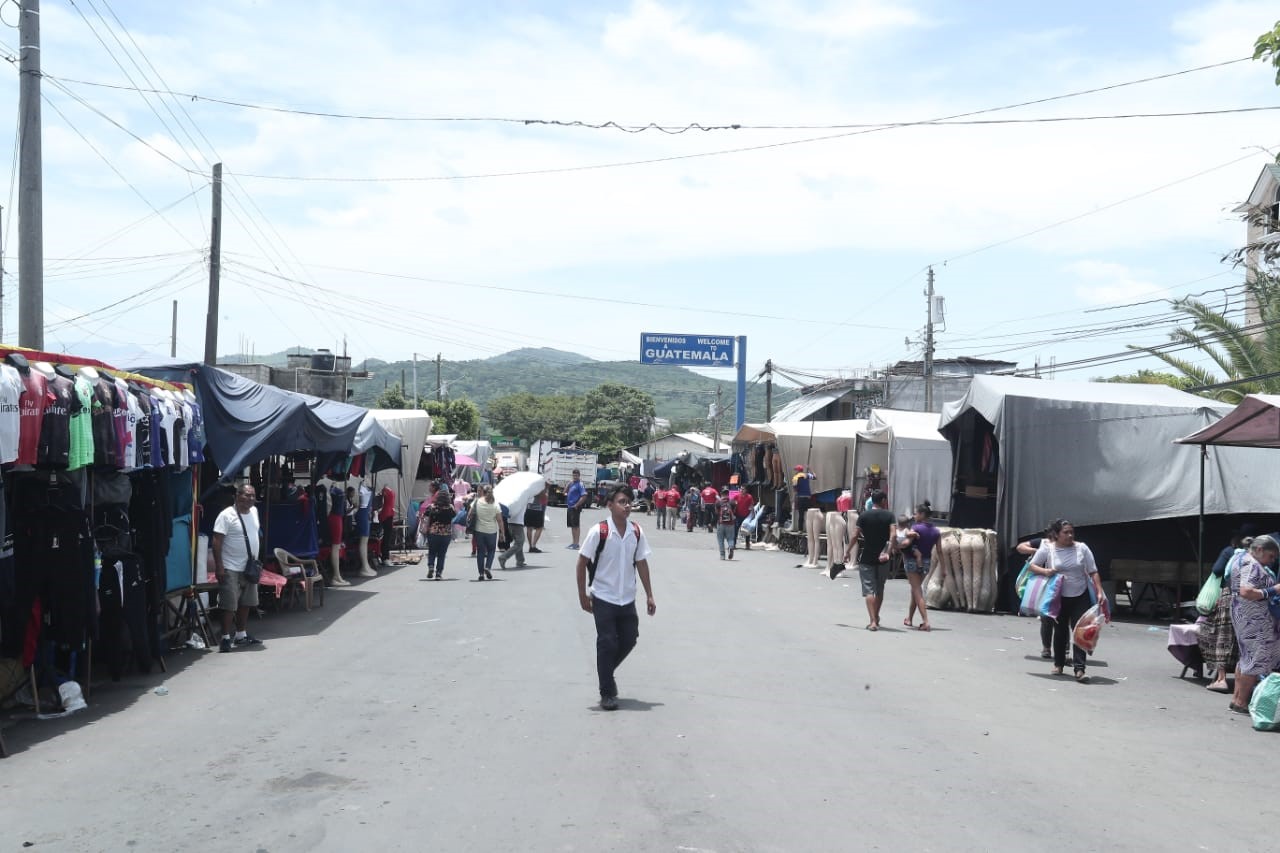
{"points": [[488, 523], [1060, 553]]}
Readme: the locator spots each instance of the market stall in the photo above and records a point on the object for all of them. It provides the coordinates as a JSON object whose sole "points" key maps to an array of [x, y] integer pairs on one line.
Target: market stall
{"points": [[915, 457]]}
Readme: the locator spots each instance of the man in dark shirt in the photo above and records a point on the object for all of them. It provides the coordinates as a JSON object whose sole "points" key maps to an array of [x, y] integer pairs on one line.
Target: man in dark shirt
{"points": [[876, 528]]}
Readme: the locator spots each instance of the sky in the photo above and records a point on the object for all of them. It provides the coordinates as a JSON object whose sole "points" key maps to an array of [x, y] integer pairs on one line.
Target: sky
{"points": [[433, 177]]}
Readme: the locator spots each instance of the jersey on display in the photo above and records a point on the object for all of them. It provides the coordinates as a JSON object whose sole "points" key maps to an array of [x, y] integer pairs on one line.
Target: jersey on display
{"points": [[31, 410], [55, 428], [11, 389]]}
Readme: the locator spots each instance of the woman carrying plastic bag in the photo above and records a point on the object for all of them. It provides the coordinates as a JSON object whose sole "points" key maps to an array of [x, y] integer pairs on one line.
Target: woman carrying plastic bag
{"points": [[1061, 556]]}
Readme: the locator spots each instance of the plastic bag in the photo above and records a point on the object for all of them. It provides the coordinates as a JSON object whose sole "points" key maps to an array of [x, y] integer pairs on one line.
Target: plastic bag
{"points": [[1207, 600], [1089, 627], [1042, 597], [1024, 577], [1264, 706]]}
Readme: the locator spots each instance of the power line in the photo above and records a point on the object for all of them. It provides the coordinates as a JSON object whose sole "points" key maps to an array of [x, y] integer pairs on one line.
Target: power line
{"points": [[640, 127]]}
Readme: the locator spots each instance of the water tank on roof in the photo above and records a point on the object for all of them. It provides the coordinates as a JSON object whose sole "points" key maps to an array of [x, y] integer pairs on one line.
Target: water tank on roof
{"points": [[323, 360]]}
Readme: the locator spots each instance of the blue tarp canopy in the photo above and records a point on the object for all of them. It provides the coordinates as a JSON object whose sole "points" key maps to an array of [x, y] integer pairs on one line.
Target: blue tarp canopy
{"points": [[246, 421]]}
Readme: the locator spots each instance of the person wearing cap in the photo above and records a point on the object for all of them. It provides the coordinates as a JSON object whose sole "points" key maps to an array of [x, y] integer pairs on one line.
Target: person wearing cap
{"points": [[802, 491]]}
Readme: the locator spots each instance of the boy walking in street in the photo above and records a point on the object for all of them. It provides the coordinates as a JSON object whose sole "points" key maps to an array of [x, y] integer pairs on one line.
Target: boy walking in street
{"points": [[609, 594]]}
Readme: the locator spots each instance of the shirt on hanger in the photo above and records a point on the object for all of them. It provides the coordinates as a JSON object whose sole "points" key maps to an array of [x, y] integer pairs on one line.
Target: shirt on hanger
{"points": [[11, 389], [55, 427], [31, 415]]}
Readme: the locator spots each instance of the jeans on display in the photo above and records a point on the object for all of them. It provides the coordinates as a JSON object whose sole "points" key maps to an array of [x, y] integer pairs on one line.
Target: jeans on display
{"points": [[486, 547], [724, 538], [617, 629], [437, 545]]}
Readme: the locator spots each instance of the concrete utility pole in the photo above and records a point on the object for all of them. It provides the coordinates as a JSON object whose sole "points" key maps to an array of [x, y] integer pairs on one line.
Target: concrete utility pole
{"points": [[173, 333], [439, 387], [715, 424], [928, 349], [215, 270], [30, 181], [1, 275], [415, 380], [768, 389]]}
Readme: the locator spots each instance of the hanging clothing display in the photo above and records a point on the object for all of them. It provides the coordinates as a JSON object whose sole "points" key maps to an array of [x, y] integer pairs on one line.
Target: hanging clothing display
{"points": [[11, 389]]}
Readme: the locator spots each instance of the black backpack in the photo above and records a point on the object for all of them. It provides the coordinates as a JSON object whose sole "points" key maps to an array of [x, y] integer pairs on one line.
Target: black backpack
{"points": [[604, 537]]}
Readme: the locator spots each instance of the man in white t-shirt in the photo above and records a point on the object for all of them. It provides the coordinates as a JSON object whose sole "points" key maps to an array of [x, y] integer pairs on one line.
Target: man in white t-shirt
{"points": [[231, 554], [611, 598]]}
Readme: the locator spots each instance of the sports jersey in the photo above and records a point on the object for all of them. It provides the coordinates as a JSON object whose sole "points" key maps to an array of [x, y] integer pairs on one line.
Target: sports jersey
{"points": [[55, 427], [181, 446], [31, 415], [120, 419], [169, 424], [142, 437], [81, 439], [103, 420], [11, 389], [195, 435], [131, 458], [156, 423]]}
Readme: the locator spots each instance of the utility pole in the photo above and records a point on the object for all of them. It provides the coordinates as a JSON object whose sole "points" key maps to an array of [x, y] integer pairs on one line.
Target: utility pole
{"points": [[715, 424], [439, 387], [215, 269], [30, 181], [928, 349], [1, 275], [768, 390], [415, 380], [173, 332]]}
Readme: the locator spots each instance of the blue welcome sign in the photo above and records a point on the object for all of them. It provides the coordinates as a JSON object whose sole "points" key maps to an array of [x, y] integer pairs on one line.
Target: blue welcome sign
{"points": [[688, 350]]}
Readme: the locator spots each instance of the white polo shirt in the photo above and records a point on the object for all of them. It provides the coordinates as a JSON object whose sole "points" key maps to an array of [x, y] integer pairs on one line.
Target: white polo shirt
{"points": [[615, 580]]}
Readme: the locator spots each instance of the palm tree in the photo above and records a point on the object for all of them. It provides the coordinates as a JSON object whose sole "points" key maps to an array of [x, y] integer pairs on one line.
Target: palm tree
{"points": [[1248, 355]]}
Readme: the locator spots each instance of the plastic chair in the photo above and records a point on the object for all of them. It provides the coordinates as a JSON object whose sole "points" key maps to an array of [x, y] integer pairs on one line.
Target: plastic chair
{"points": [[301, 575]]}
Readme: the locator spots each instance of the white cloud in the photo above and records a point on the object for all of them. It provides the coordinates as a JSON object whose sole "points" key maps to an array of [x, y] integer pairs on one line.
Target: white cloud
{"points": [[652, 32], [1106, 283], [851, 19]]}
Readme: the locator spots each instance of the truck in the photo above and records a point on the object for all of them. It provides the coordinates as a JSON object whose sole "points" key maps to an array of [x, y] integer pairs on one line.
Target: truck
{"points": [[557, 465], [508, 461]]}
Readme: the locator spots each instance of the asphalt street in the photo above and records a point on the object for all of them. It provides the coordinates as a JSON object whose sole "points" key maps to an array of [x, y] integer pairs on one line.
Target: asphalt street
{"points": [[756, 714]]}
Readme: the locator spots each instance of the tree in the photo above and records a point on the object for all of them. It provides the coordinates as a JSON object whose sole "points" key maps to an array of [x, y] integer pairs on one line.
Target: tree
{"points": [[392, 398], [1151, 377], [615, 416], [1249, 356], [460, 416], [531, 417], [1267, 48]]}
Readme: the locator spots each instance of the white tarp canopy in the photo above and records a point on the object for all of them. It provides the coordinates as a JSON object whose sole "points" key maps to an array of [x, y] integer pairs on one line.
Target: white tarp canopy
{"points": [[827, 447], [1100, 453], [477, 450], [412, 426], [916, 456]]}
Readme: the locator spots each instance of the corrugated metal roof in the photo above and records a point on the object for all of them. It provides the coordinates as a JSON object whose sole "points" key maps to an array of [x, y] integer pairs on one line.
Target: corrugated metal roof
{"points": [[798, 410]]}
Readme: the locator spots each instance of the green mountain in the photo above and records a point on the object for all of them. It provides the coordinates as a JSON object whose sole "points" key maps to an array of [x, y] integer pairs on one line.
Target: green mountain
{"points": [[678, 393]]}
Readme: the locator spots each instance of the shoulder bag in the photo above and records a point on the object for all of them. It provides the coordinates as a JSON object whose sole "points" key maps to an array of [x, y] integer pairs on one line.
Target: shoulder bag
{"points": [[252, 567]]}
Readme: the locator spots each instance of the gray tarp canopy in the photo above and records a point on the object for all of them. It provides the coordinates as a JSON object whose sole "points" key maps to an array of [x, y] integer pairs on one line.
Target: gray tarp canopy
{"points": [[917, 458], [246, 421], [1101, 453], [410, 428]]}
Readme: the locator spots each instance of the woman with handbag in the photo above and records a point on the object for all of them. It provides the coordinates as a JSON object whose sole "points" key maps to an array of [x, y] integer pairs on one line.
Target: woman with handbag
{"points": [[486, 517], [1060, 553], [439, 530], [1256, 620]]}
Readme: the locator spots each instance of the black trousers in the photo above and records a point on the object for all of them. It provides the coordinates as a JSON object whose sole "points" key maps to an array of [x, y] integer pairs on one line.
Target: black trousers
{"points": [[1072, 609], [617, 629]]}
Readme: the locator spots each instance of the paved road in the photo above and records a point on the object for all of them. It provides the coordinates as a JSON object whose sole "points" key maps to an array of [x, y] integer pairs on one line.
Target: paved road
{"points": [[757, 715]]}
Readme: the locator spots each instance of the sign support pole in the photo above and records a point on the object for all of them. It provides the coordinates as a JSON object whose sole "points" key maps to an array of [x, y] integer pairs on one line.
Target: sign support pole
{"points": [[740, 414]]}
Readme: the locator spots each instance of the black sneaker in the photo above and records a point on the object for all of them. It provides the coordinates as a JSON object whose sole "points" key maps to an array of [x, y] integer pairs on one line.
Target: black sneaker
{"points": [[247, 640], [535, 550], [836, 568], [609, 703], [225, 645]]}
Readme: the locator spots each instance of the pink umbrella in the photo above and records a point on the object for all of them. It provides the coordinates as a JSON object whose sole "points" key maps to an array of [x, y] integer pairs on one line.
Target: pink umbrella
{"points": [[463, 459]]}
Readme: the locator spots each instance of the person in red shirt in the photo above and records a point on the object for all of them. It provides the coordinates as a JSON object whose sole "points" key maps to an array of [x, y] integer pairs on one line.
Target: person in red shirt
{"points": [[709, 497], [660, 504]]}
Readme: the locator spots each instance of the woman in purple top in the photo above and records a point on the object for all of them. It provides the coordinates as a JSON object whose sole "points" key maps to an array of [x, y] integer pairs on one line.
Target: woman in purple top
{"points": [[922, 537], [1257, 631]]}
